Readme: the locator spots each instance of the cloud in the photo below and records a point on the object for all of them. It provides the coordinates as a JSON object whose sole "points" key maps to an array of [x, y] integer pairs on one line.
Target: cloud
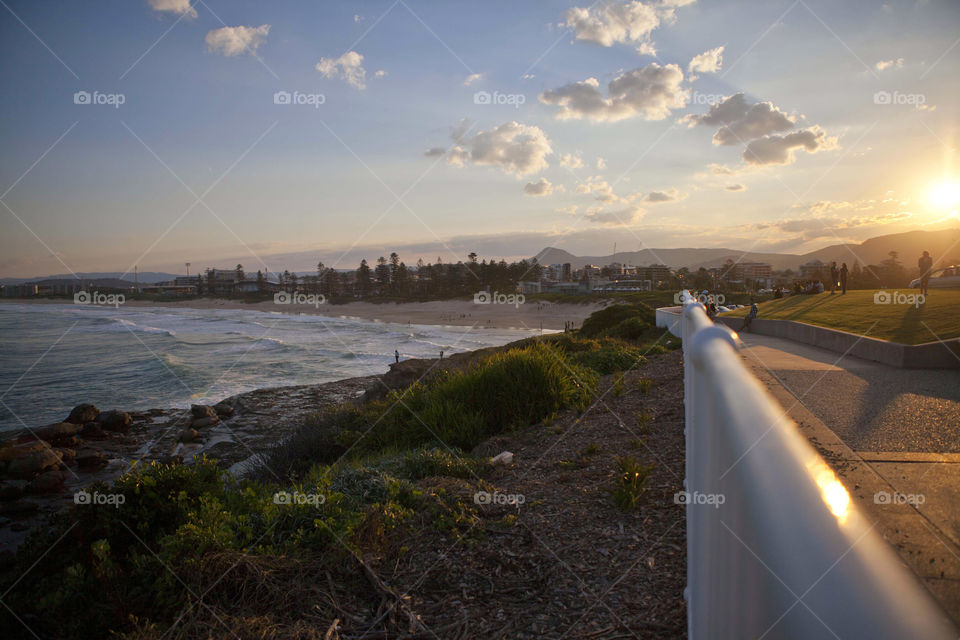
{"points": [[667, 195], [348, 67], [779, 149], [649, 92], [379, 73], [614, 217], [631, 23], [514, 148], [571, 161], [721, 170], [740, 122], [473, 77], [601, 163], [707, 62], [887, 64], [735, 187], [179, 7], [232, 41], [542, 187], [434, 152], [599, 189]]}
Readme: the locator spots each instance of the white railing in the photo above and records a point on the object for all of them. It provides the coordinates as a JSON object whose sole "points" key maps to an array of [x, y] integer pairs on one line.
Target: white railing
{"points": [[775, 548]]}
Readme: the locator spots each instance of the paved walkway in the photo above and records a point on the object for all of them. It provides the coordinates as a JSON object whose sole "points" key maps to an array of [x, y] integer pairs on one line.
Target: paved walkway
{"points": [[892, 436]]}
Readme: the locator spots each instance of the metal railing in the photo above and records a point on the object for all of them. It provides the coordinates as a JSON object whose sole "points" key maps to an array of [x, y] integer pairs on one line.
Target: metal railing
{"points": [[775, 548]]}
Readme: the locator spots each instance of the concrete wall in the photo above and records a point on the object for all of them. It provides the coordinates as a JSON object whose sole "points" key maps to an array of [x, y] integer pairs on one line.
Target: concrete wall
{"points": [[931, 355]]}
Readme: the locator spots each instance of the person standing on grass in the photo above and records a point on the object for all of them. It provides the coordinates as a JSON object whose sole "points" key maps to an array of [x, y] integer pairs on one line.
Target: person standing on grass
{"points": [[748, 319], [834, 275], [843, 279], [926, 265]]}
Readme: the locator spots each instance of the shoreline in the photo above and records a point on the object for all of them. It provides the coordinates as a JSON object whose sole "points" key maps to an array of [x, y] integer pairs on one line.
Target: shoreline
{"points": [[549, 316]]}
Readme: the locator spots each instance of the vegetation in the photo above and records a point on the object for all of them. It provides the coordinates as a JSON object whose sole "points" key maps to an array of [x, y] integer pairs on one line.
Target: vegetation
{"points": [[857, 312], [631, 483]]}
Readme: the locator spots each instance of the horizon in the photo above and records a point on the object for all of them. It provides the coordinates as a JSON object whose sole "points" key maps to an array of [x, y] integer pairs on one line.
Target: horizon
{"points": [[241, 132]]}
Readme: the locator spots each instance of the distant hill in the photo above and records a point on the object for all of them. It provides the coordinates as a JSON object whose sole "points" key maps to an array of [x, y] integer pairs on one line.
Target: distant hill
{"points": [[144, 277], [943, 245]]}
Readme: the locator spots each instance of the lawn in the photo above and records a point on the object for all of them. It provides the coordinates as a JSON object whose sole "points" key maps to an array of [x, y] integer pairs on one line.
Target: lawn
{"points": [[856, 312]]}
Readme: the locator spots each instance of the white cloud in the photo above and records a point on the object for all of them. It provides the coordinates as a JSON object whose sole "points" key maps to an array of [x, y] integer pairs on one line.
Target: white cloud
{"points": [[233, 41], [571, 161], [735, 187], [649, 92], [179, 7], [707, 62], [779, 149], [379, 73], [473, 77], [601, 163], [434, 152], [527, 76], [514, 148], [570, 211], [542, 187], [614, 217], [887, 64], [599, 189], [741, 122], [631, 23], [667, 195], [348, 67]]}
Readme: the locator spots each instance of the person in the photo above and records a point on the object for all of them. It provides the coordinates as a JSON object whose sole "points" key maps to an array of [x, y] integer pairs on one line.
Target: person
{"points": [[818, 286], [712, 310], [926, 265], [843, 279], [441, 355], [396, 355], [753, 313], [778, 293], [834, 276]]}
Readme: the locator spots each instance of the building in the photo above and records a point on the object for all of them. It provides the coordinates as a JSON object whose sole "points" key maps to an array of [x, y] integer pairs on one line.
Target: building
{"points": [[752, 273], [814, 270]]}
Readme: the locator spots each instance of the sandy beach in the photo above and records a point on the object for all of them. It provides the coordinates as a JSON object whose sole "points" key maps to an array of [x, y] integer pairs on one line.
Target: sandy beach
{"points": [[464, 313]]}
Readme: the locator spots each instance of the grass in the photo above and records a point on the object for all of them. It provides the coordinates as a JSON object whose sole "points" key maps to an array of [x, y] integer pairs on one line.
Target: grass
{"points": [[631, 483], [856, 312]]}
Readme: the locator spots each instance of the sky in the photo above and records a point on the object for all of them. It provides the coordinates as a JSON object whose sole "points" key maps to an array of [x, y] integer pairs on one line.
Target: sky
{"points": [[277, 134]]}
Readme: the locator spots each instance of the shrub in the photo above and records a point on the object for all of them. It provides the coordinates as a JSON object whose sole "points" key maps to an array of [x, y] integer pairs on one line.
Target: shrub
{"points": [[631, 482], [618, 320]]}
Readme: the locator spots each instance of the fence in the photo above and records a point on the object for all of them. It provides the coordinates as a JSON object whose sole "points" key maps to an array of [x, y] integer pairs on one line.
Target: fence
{"points": [[775, 548]]}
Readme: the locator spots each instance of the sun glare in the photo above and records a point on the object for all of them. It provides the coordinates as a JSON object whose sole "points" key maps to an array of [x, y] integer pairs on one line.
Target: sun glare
{"points": [[945, 195]]}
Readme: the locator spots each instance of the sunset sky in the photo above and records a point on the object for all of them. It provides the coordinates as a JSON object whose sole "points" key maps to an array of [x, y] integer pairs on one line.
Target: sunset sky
{"points": [[155, 132]]}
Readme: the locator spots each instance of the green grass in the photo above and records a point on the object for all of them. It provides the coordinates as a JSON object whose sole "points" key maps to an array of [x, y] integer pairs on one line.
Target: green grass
{"points": [[856, 312]]}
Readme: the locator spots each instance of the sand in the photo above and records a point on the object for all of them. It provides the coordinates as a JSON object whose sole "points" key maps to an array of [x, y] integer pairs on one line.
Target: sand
{"points": [[530, 315]]}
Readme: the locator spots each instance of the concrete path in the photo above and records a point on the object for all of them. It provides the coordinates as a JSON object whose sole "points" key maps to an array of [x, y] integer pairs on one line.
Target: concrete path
{"points": [[893, 438]]}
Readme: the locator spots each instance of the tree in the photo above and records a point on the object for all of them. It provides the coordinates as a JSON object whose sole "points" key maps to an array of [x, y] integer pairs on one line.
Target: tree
{"points": [[238, 272], [382, 272], [363, 278], [260, 280]]}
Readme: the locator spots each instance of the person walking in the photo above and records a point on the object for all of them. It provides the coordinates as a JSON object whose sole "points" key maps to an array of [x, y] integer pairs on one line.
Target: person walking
{"points": [[834, 276], [926, 265], [748, 319], [843, 279]]}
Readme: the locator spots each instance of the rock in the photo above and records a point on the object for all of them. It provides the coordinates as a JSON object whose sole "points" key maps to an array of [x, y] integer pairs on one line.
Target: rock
{"points": [[204, 422], [90, 458], [202, 411], [188, 435], [18, 507], [68, 456], [34, 462], [155, 412], [58, 431], [12, 490], [47, 482], [504, 458], [93, 431], [83, 413], [11, 452], [223, 410], [114, 420]]}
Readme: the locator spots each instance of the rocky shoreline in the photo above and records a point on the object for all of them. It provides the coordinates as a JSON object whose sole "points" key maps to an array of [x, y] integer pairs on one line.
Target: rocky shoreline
{"points": [[43, 468]]}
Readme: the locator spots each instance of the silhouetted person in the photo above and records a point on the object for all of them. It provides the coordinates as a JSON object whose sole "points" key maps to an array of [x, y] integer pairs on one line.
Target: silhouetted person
{"points": [[748, 319], [843, 278], [441, 355], [834, 276], [396, 354], [926, 265], [712, 310]]}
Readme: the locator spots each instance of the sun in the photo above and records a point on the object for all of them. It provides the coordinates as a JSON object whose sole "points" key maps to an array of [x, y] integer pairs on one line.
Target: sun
{"points": [[945, 195]]}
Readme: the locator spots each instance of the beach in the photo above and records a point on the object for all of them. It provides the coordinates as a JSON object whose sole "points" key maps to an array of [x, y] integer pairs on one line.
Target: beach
{"points": [[532, 315]]}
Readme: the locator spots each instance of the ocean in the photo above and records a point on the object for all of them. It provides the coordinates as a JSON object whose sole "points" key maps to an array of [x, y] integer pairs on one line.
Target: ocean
{"points": [[55, 356]]}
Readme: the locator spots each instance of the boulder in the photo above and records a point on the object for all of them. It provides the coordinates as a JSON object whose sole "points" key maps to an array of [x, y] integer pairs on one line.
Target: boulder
{"points": [[199, 423], [93, 431], [203, 411], [504, 458], [33, 462], [115, 420], [224, 410], [188, 435], [12, 490], [90, 459], [68, 456], [47, 482], [18, 507], [11, 451], [58, 431], [83, 413]]}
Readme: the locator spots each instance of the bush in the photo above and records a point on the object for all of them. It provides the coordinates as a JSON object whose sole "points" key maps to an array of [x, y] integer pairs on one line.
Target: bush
{"points": [[611, 357], [612, 321], [631, 482]]}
